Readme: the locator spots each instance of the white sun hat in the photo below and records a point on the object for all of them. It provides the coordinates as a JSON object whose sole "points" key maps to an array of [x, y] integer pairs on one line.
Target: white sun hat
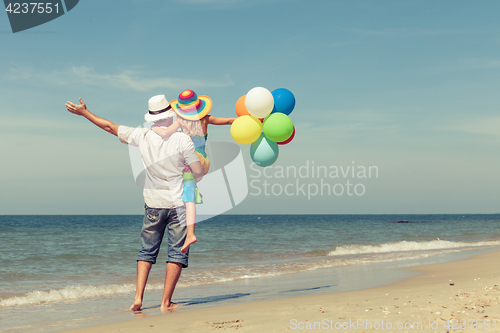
{"points": [[159, 108]]}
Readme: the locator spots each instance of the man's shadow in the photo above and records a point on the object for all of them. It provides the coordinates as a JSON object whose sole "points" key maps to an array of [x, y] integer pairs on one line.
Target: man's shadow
{"points": [[203, 300]]}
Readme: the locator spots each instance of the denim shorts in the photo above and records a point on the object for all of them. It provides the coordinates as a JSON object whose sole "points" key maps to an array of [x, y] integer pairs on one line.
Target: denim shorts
{"points": [[156, 222]]}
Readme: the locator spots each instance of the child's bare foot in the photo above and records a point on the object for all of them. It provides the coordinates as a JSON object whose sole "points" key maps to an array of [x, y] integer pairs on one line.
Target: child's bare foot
{"points": [[136, 306], [190, 239], [171, 307]]}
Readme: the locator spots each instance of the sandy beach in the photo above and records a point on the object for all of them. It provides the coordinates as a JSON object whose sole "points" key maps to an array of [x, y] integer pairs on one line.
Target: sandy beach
{"points": [[458, 296]]}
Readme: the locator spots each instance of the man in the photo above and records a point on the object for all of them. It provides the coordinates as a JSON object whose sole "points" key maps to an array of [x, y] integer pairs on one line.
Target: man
{"points": [[164, 159]]}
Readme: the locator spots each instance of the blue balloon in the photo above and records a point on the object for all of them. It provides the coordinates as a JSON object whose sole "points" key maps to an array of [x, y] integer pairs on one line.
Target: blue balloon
{"points": [[284, 101], [263, 151]]}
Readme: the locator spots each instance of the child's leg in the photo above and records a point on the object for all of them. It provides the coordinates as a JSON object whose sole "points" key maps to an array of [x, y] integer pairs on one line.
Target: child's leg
{"points": [[190, 219]]}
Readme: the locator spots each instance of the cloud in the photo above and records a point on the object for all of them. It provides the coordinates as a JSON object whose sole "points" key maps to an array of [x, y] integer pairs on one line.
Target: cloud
{"points": [[466, 64], [404, 32], [347, 124], [37, 125], [339, 44], [125, 79], [485, 126]]}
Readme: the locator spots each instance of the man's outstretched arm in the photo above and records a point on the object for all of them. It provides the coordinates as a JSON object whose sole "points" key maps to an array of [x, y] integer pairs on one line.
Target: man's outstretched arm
{"points": [[81, 110]]}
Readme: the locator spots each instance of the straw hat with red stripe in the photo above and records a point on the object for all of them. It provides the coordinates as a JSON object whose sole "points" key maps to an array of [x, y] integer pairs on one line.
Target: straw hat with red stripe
{"points": [[191, 106]]}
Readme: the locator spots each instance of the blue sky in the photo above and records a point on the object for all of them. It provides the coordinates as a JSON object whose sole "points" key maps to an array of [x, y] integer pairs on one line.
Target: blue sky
{"points": [[410, 87]]}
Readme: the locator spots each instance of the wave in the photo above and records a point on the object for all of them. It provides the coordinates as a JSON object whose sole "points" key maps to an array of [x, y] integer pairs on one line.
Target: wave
{"points": [[37, 297], [405, 246]]}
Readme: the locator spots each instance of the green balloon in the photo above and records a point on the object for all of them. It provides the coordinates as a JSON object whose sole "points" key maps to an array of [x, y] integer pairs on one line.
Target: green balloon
{"points": [[263, 151], [278, 127]]}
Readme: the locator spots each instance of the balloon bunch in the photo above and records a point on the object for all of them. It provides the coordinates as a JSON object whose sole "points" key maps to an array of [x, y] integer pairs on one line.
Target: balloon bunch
{"points": [[263, 122]]}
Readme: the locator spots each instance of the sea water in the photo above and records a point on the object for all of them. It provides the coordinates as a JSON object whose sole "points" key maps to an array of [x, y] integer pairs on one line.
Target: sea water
{"points": [[59, 272]]}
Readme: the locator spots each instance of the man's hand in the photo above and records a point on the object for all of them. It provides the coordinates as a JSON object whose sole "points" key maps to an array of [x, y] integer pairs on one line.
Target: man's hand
{"points": [[81, 110], [197, 171], [77, 109]]}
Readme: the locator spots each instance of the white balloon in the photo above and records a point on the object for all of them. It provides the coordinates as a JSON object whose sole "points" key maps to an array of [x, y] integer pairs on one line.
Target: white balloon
{"points": [[259, 102]]}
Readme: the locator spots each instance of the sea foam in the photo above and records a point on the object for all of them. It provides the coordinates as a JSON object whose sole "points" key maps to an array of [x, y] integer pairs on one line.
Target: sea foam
{"points": [[72, 293], [404, 246]]}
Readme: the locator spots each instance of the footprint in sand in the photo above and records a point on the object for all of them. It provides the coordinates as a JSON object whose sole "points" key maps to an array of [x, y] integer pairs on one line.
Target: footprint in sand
{"points": [[228, 324]]}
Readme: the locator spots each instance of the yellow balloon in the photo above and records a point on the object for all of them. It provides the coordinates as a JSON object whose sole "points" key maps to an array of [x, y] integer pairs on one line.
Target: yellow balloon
{"points": [[246, 129]]}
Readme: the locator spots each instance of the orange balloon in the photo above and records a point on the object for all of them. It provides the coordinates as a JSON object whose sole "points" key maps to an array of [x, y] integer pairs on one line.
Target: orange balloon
{"points": [[241, 109]]}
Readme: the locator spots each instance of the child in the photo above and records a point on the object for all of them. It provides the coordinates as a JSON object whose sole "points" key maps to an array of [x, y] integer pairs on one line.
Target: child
{"points": [[193, 120]]}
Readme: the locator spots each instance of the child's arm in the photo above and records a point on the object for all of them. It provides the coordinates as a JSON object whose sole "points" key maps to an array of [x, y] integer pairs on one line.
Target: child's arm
{"points": [[220, 121], [166, 132]]}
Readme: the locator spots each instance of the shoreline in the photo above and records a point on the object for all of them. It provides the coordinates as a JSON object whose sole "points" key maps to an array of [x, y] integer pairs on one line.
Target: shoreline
{"points": [[458, 291]]}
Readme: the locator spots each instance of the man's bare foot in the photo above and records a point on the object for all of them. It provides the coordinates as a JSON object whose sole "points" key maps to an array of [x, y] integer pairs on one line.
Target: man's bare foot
{"points": [[136, 306], [171, 307], [138, 314], [190, 239]]}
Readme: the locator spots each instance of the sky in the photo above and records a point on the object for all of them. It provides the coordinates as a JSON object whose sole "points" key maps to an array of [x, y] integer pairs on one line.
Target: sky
{"points": [[406, 89]]}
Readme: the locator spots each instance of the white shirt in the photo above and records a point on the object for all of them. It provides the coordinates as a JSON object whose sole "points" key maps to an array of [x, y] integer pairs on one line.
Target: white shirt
{"points": [[164, 159]]}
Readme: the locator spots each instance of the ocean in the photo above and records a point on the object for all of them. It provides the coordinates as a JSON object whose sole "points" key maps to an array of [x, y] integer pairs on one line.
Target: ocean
{"points": [[61, 272]]}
